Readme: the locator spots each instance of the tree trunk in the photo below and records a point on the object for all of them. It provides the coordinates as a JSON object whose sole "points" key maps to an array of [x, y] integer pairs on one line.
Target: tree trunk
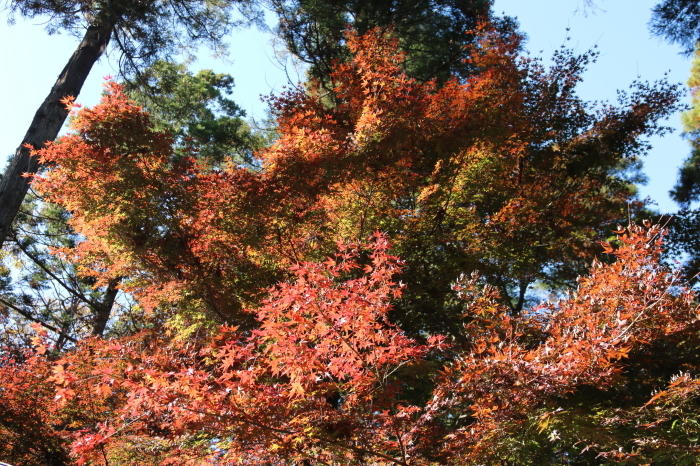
{"points": [[103, 311], [48, 120], [518, 308]]}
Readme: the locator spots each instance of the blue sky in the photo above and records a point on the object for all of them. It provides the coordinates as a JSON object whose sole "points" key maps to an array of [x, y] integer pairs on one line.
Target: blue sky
{"points": [[32, 60]]}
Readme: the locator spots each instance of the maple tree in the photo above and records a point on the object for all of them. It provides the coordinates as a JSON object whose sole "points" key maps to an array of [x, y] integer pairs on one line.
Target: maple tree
{"points": [[34, 428], [142, 31], [518, 189], [507, 172], [326, 377], [275, 332], [47, 288]]}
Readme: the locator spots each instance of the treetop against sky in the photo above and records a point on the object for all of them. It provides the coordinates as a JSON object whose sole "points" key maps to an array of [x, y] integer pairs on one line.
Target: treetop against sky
{"points": [[618, 28]]}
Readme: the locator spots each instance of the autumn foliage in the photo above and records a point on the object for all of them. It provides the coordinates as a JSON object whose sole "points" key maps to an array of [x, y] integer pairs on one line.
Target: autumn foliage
{"points": [[326, 377], [359, 294]]}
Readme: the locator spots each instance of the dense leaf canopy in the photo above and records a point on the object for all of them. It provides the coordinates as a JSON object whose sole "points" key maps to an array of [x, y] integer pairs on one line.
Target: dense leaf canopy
{"points": [[359, 292]]}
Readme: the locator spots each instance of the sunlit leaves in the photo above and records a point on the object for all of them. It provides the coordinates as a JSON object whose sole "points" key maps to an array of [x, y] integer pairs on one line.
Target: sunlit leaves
{"points": [[280, 332]]}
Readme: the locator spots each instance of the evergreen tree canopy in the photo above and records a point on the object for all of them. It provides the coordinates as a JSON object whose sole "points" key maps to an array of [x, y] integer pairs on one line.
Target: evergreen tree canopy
{"points": [[432, 33], [687, 188], [684, 236], [677, 21], [197, 110]]}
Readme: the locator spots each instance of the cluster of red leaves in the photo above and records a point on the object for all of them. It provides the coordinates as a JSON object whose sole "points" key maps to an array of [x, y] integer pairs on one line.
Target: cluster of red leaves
{"points": [[30, 427], [338, 333], [519, 365], [315, 380], [43, 407]]}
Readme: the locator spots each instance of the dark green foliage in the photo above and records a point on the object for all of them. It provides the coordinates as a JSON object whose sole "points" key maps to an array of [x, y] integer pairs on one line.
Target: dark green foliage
{"points": [[678, 21], [687, 187], [432, 33], [684, 226], [683, 241], [197, 110]]}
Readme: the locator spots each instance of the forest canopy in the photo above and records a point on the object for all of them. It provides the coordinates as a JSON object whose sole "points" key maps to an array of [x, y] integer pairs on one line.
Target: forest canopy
{"points": [[420, 262]]}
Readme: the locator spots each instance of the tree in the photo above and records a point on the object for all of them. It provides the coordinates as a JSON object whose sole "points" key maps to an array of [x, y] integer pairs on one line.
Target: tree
{"points": [[683, 238], [456, 191], [677, 21], [198, 111], [26, 420], [141, 36], [275, 331], [687, 188], [47, 289], [506, 172], [37, 422], [594, 401], [156, 218], [432, 33], [324, 378]]}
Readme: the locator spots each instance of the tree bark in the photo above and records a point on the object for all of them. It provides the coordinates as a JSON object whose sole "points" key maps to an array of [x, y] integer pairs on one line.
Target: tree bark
{"points": [[48, 120], [104, 310]]}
